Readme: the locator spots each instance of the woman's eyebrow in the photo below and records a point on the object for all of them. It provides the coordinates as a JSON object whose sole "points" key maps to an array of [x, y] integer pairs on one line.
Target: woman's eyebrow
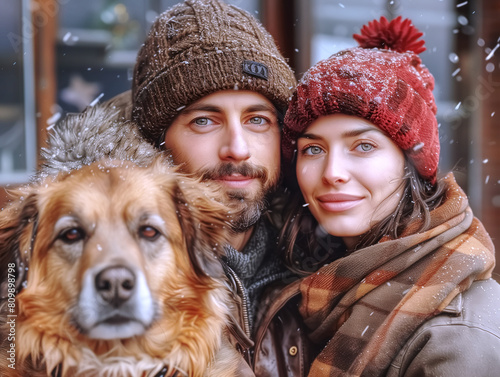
{"points": [[310, 136], [350, 133], [362, 130]]}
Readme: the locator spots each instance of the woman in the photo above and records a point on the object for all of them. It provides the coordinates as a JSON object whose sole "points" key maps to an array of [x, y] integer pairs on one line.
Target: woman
{"points": [[402, 283]]}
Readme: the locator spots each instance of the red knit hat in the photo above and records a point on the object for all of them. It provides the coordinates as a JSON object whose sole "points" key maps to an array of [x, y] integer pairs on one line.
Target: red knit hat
{"points": [[383, 81]]}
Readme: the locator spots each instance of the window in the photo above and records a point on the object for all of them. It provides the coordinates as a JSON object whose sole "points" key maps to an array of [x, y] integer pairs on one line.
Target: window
{"points": [[17, 109]]}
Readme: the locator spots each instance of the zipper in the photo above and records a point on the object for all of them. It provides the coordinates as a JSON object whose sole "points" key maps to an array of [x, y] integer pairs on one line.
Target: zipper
{"points": [[243, 295]]}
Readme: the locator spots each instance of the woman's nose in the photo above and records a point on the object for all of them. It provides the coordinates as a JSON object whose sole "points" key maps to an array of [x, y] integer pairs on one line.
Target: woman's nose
{"points": [[336, 170]]}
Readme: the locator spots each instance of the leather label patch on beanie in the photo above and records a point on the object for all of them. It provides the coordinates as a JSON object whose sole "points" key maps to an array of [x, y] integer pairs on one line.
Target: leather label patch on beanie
{"points": [[255, 69]]}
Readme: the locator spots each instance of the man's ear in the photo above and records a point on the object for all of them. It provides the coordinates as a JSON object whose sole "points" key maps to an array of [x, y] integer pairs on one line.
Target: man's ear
{"points": [[205, 223], [17, 231]]}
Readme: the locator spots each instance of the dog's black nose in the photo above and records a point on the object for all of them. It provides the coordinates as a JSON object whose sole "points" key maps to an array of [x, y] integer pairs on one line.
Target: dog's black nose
{"points": [[115, 284]]}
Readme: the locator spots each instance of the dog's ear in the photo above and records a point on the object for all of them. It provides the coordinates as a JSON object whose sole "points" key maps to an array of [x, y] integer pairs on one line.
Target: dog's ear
{"points": [[17, 229], [205, 225]]}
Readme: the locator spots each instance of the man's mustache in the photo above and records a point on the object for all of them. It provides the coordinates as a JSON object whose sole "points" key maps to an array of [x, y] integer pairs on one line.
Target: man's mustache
{"points": [[225, 169]]}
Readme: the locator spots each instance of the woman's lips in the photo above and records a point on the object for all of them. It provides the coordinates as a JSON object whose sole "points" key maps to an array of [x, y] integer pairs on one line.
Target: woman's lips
{"points": [[338, 202]]}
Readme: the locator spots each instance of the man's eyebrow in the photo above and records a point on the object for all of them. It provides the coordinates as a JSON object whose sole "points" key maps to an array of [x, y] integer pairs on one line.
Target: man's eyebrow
{"points": [[215, 109], [262, 107], [201, 107]]}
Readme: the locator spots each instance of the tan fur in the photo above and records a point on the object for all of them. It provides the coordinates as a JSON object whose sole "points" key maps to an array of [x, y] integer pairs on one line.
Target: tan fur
{"points": [[110, 202]]}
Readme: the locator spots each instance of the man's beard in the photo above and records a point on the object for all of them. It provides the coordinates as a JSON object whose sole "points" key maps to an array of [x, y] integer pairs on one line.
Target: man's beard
{"points": [[250, 209]]}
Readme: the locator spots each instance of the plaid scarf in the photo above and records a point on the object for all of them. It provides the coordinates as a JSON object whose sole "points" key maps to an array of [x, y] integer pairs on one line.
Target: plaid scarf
{"points": [[366, 305]]}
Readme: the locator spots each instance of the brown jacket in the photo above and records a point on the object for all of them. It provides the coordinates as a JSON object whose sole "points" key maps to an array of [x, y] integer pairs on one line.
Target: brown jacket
{"points": [[281, 345], [278, 346], [469, 325], [464, 340]]}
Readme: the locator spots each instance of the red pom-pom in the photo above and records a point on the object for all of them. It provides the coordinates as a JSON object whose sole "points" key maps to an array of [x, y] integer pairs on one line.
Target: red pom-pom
{"points": [[397, 35]]}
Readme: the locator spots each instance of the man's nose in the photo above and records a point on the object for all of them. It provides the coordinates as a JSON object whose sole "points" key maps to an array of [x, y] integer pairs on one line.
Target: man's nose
{"points": [[234, 144]]}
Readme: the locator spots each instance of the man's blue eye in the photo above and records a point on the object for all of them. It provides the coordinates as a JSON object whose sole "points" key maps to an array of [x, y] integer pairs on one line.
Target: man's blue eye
{"points": [[201, 121], [257, 120]]}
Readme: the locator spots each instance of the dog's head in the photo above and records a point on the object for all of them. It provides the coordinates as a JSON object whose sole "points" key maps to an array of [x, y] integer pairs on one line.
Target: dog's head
{"points": [[113, 248]]}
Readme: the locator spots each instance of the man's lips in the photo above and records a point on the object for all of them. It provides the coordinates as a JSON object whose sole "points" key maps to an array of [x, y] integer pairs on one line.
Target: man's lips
{"points": [[236, 180], [338, 202]]}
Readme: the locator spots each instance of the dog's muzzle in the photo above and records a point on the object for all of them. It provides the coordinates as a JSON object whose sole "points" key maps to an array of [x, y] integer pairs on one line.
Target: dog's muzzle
{"points": [[115, 302]]}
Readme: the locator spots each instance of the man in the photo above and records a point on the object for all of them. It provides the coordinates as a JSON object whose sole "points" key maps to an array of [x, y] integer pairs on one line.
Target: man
{"points": [[210, 77], [210, 88]]}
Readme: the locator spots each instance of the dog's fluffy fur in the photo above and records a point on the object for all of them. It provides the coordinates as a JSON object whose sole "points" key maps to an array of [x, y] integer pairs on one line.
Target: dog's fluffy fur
{"points": [[123, 275]]}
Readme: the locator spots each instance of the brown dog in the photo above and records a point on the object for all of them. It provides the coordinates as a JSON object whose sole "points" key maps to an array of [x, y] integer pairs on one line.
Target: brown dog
{"points": [[123, 275]]}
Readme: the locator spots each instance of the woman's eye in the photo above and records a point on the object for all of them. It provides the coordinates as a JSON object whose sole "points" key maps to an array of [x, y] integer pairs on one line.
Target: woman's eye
{"points": [[365, 147], [148, 232], [313, 150], [72, 235]]}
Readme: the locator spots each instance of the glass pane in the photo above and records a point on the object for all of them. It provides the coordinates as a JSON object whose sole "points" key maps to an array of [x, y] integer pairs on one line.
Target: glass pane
{"points": [[17, 123], [96, 49], [98, 41], [97, 46]]}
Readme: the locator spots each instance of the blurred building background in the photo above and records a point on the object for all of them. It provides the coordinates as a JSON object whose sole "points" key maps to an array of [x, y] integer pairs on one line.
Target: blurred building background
{"points": [[59, 56]]}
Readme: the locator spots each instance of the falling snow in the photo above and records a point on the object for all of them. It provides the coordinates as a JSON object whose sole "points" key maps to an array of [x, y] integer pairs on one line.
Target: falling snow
{"points": [[462, 20], [95, 101], [418, 147], [490, 55], [53, 119], [66, 37], [453, 57]]}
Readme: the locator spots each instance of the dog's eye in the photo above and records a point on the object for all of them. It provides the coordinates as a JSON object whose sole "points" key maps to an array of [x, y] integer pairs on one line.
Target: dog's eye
{"points": [[148, 232], [72, 235]]}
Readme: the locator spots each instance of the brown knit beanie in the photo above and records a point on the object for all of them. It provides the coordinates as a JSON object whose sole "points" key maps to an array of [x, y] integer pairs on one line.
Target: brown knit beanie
{"points": [[199, 47], [383, 81]]}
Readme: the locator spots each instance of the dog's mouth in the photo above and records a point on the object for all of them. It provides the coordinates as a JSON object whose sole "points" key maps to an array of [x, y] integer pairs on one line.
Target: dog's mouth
{"points": [[117, 320], [116, 327]]}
